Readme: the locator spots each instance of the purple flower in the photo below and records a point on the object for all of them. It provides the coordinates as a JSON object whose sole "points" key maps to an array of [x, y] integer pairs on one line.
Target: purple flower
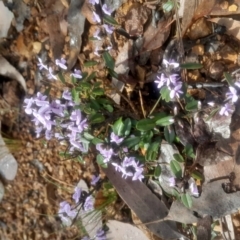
{"points": [[76, 74], [138, 175], [161, 80], [78, 145], [96, 17], [77, 194], [41, 65], [109, 29], [176, 90], [232, 95], [96, 34], [170, 64], [76, 115], [95, 179], [65, 208], [115, 138], [106, 153], [38, 131], [28, 107], [193, 187], [128, 161], [61, 63], [48, 134], [172, 182], [106, 9], [67, 95], [100, 235], [50, 74], [89, 203], [93, 2], [226, 109]]}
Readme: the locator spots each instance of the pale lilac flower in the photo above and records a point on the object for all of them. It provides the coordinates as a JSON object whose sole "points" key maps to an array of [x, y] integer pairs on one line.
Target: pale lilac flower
{"points": [[95, 180], [65, 208], [125, 149], [106, 153], [93, 2], [28, 107], [67, 95], [38, 131], [61, 63], [100, 235], [41, 65], [106, 9], [226, 109], [138, 176], [232, 94], [193, 187], [76, 115], [89, 203], [77, 194], [170, 64], [96, 17], [128, 161], [172, 182], [96, 34], [48, 134], [108, 28], [176, 90], [78, 145], [76, 74], [50, 74], [115, 138], [161, 80]]}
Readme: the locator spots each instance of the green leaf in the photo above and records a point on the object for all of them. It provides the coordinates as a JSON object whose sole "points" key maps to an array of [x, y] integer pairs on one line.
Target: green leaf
{"points": [[186, 200], [118, 127], [188, 150], [110, 20], [165, 93], [131, 141], [169, 134], [145, 124], [88, 136], [62, 79], [178, 157], [197, 175], [112, 73], [97, 118], [168, 6], [100, 160], [176, 168], [98, 91], [85, 85], [91, 76], [192, 104], [191, 65], [109, 61], [127, 126], [228, 78], [157, 171], [75, 96], [97, 140], [108, 107], [90, 64], [165, 121], [152, 151]]}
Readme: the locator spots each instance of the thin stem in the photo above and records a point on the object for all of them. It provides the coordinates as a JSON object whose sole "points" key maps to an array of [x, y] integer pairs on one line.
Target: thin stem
{"points": [[155, 105]]}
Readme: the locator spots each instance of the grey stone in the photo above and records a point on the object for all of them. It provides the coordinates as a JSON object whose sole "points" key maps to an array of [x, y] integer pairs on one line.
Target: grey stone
{"points": [[8, 166], [1, 191]]}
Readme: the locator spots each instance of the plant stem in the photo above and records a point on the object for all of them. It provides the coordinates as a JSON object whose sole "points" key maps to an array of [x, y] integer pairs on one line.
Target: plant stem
{"points": [[155, 105]]}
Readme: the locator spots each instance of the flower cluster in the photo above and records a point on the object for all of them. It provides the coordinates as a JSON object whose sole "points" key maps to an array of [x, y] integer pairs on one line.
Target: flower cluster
{"points": [[130, 168], [172, 81], [58, 118]]}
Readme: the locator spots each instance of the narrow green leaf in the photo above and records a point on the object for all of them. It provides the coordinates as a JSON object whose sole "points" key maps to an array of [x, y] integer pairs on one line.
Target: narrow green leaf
{"points": [[108, 107], [186, 200], [188, 150], [145, 124], [152, 151], [100, 160], [97, 118], [127, 126], [131, 142], [98, 91], [110, 20], [228, 78], [118, 127], [75, 96], [169, 134], [191, 65], [176, 168], [85, 85], [97, 140], [88, 136], [90, 64], [191, 103], [157, 171], [165, 121], [178, 157], [62, 79], [91, 76], [109, 61], [168, 6], [197, 175], [165, 93], [112, 73]]}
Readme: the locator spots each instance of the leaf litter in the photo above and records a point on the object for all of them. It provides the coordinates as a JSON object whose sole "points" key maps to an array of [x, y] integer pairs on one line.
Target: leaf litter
{"points": [[211, 138]]}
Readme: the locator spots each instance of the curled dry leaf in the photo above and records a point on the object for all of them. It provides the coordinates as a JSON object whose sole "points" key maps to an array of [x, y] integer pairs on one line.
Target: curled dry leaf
{"points": [[7, 70]]}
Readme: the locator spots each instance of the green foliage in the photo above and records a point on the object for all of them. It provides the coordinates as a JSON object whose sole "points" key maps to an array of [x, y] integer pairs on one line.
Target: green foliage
{"points": [[168, 6], [118, 127], [165, 94], [109, 61], [100, 160], [178, 157], [186, 200], [145, 124], [157, 171], [176, 168], [188, 150], [169, 134], [191, 65], [110, 20]]}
